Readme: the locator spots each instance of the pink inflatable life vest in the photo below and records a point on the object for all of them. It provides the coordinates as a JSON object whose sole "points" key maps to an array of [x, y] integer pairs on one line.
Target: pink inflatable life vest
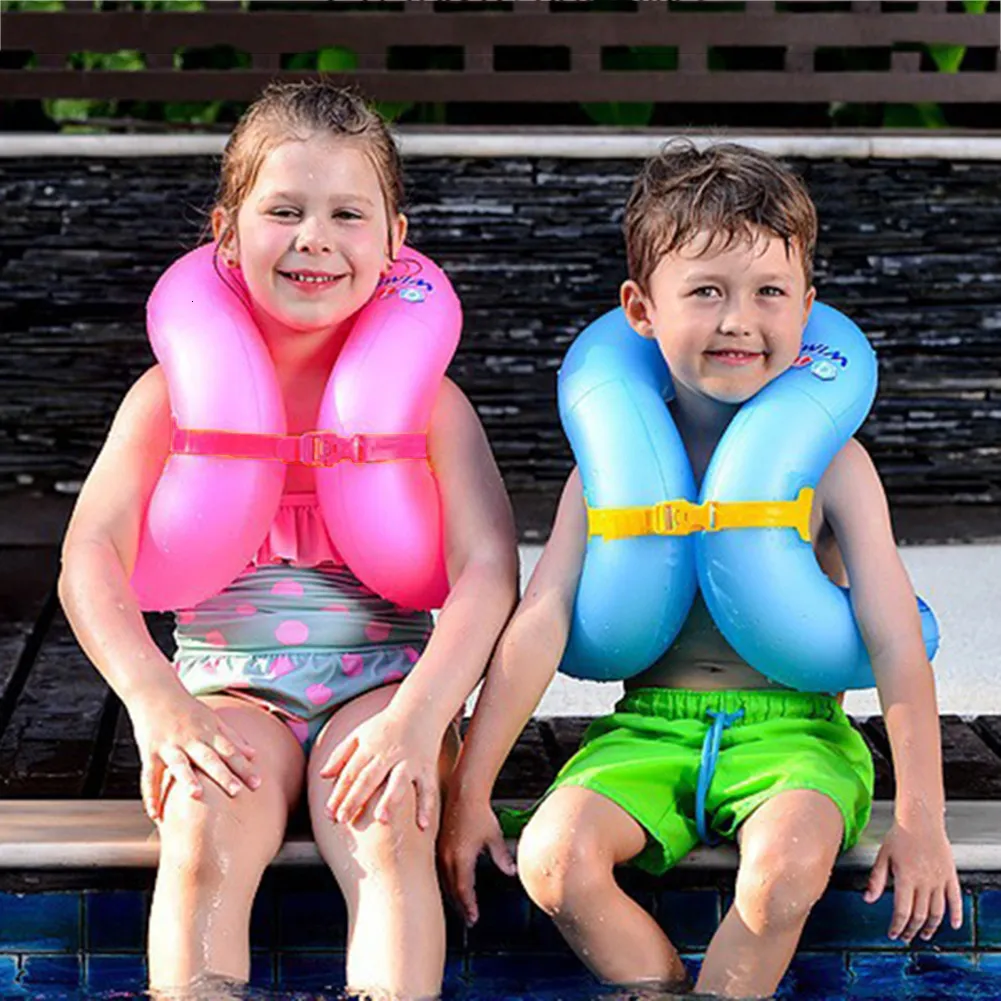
{"points": [[222, 482]]}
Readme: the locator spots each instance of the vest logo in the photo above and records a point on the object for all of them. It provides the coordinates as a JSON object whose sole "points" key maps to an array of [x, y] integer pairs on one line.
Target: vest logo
{"points": [[405, 282], [811, 353], [824, 370]]}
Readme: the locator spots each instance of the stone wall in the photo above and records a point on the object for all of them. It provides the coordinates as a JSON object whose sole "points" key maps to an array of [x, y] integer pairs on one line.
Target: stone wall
{"points": [[909, 249]]}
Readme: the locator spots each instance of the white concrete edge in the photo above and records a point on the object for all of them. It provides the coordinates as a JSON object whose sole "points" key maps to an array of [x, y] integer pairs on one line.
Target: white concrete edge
{"points": [[570, 144], [974, 828]]}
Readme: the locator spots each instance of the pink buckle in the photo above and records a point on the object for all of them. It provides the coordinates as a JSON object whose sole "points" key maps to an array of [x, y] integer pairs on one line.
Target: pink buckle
{"points": [[322, 448], [313, 448]]}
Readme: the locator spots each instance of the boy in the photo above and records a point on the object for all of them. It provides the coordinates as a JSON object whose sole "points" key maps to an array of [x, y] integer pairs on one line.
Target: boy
{"points": [[720, 245]]}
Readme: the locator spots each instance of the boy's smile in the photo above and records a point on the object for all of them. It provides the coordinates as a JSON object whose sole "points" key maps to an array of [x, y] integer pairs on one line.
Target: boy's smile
{"points": [[728, 319]]}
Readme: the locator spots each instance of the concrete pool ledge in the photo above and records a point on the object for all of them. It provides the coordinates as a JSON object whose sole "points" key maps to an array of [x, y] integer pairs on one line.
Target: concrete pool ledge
{"points": [[569, 143], [115, 834]]}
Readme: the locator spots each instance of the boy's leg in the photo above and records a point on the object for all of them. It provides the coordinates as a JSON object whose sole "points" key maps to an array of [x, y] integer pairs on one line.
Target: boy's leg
{"points": [[213, 852], [565, 860], [386, 871], [787, 850]]}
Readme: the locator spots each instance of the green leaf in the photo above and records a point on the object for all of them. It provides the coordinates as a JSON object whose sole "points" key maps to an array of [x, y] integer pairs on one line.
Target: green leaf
{"points": [[914, 116], [336, 60], [947, 58], [391, 110], [70, 108], [173, 5], [301, 61], [627, 113], [124, 59], [32, 6], [975, 6], [192, 112]]}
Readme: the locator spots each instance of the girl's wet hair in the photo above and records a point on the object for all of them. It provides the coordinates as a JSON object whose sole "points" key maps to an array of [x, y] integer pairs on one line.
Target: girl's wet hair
{"points": [[728, 191], [297, 111]]}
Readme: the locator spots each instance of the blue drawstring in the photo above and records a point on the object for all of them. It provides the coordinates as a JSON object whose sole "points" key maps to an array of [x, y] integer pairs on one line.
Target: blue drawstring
{"points": [[707, 767]]}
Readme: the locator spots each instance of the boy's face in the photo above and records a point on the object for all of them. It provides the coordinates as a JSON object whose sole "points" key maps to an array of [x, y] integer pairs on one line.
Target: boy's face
{"points": [[727, 321]]}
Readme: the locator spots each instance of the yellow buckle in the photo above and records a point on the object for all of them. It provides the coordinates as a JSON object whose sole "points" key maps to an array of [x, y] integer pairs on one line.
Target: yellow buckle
{"points": [[682, 517]]}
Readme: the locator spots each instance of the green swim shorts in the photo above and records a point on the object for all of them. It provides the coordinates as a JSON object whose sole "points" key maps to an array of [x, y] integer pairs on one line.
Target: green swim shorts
{"points": [[646, 757]]}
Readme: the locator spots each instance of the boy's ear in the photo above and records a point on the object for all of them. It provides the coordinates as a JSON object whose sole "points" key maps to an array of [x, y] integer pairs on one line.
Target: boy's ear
{"points": [[636, 307], [808, 301]]}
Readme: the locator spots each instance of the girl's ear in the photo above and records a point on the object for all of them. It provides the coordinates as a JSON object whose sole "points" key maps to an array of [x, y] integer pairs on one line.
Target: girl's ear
{"points": [[636, 308], [397, 236], [224, 234]]}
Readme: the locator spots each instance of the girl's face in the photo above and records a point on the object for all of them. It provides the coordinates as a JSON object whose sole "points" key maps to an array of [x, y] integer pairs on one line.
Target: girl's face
{"points": [[312, 235]]}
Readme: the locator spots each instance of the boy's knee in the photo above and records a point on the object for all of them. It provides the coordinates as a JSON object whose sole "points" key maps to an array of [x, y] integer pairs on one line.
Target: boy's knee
{"points": [[776, 889], [560, 868]]}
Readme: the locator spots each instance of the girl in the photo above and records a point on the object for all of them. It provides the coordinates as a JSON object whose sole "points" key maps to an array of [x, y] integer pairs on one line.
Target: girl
{"points": [[230, 737]]}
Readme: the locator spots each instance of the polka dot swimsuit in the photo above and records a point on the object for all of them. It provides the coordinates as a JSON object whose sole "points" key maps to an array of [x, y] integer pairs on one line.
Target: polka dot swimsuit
{"points": [[298, 639]]}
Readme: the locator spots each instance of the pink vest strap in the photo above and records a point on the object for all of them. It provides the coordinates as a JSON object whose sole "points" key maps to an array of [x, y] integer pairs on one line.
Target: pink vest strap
{"points": [[314, 448]]}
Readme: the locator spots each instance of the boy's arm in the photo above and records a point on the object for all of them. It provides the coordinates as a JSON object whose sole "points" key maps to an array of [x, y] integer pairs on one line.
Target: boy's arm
{"points": [[916, 849], [522, 667]]}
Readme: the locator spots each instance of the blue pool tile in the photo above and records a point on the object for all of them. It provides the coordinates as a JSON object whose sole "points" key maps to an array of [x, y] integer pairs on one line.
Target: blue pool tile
{"points": [[115, 921], [693, 963], [504, 923], [689, 917], [943, 974], [843, 920], [989, 918], [816, 975], [263, 972], [310, 919], [517, 972], [39, 922], [50, 971], [8, 974], [262, 919], [115, 973], [312, 971], [878, 975]]}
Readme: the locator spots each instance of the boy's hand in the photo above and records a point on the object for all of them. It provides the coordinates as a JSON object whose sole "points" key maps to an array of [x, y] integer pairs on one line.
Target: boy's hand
{"points": [[924, 879], [387, 752], [468, 827]]}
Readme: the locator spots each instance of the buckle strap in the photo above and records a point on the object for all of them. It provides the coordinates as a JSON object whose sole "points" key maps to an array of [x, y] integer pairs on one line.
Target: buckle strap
{"points": [[313, 448], [682, 517]]}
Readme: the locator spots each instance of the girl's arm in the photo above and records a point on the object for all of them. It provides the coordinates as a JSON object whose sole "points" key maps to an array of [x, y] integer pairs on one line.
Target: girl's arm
{"points": [[481, 556], [172, 729], [522, 667], [916, 848]]}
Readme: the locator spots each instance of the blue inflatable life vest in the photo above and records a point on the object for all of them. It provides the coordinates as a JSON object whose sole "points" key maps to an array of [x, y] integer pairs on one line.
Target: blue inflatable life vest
{"points": [[652, 542]]}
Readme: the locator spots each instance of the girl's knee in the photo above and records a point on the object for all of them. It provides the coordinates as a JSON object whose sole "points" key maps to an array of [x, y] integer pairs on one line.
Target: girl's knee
{"points": [[396, 845], [201, 841], [560, 868]]}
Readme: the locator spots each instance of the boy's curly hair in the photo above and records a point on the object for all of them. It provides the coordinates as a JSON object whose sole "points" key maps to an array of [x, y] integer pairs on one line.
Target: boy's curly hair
{"points": [[726, 190]]}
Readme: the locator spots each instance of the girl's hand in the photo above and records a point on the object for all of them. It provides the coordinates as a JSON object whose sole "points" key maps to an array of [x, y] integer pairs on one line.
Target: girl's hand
{"points": [[468, 827], [390, 752], [924, 879], [179, 736]]}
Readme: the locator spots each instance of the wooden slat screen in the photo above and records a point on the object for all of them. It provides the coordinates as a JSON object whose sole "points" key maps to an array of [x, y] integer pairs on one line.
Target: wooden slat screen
{"points": [[692, 28]]}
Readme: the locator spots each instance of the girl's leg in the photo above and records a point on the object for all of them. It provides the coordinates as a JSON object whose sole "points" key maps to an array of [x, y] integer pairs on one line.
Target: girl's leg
{"points": [[213, 852], [787, 850], [386, 871], [566, 858]]}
